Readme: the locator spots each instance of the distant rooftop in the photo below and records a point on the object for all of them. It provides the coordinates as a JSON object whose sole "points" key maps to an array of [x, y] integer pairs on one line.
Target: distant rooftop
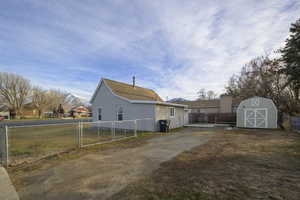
{"points": [[212, 103]]}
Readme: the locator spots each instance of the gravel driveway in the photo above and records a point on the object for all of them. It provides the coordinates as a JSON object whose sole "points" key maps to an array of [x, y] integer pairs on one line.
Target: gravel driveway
{"points": [[98, 176]]}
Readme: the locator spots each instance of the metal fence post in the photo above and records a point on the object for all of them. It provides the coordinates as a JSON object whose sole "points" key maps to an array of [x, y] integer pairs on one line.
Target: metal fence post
{"points": [[135, 128], [113, 129], [79, 134], [6, 147]]}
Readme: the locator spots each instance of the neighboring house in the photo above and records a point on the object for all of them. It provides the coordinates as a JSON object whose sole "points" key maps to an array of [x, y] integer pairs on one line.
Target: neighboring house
{"points": [[80, 111], [225, 104], [257, 112], [4, 111], [222, 109], [29, 111], [114, 100]]}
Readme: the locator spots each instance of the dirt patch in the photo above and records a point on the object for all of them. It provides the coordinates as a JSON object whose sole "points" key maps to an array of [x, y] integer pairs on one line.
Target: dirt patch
{"points": [[98, 174], [238, 164]]}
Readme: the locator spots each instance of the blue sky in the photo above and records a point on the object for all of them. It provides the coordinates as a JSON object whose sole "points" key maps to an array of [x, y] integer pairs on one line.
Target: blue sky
{"points": [[172, 46]]}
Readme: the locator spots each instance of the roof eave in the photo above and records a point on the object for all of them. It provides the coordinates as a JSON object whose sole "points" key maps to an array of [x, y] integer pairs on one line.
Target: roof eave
{"points": [[158, 102], [95, 93]]}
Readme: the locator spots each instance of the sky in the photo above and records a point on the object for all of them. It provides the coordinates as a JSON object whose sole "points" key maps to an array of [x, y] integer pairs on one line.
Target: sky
{"points": [[172, 46]]}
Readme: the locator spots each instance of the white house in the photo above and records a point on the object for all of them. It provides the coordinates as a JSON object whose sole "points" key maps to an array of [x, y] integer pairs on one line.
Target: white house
{"points": [[4, 111], [114, 100]]}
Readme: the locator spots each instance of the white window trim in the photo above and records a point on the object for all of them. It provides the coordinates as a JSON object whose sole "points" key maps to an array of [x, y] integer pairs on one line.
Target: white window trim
{"points": [[170, 112], [98, 113], [118, 114]]}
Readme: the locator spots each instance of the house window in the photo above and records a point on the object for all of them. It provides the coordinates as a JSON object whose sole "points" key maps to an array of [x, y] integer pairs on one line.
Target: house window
{"points": [[172, 112], [120, 114], [99, 114]]}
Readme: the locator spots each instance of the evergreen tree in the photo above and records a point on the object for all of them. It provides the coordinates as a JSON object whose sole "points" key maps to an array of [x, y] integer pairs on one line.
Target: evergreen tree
{"points": [[291, 57]]}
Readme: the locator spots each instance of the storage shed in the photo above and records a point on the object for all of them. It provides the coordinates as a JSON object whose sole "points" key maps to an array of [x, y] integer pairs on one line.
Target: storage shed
{"points": [[257, 112]]}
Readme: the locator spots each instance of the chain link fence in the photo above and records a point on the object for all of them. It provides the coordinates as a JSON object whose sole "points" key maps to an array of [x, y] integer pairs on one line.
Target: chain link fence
{"points": [[93, 133], [29, 143], [19, 144], [3, 146], [102, 132]]}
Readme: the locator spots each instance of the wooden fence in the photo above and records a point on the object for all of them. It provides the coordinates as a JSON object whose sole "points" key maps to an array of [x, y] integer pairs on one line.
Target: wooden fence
{"points": [[219, 118]]}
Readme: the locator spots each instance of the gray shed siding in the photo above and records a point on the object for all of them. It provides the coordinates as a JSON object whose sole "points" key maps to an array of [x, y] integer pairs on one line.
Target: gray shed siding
{"points": [[268, 104], [163, 112], [110, 103]]}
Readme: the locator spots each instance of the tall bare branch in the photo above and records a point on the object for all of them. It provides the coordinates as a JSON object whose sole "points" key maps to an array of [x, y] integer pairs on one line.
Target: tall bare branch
{"points": [[40, 100], [14, 91]]}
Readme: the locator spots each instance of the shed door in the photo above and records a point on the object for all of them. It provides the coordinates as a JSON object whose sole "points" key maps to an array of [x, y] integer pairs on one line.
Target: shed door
{"points": [[256, 118]]}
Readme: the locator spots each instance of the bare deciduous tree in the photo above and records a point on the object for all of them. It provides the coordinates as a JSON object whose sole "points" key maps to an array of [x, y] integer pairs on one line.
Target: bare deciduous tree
{"points": [[57, 99], [14, 90], [40, 100], [211, 95], [201, 94], [262, 77]]}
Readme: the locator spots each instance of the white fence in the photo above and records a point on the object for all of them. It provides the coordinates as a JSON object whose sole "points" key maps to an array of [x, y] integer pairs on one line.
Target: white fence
{"points": [[20, 144]]}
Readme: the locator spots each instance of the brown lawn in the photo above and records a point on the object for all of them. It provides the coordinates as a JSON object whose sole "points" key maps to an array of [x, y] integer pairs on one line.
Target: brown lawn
{"points": [[238, 164]]}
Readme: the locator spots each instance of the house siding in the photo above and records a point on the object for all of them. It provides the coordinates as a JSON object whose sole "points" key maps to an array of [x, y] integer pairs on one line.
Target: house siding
{"points": [[5, 115], [226, 104], [163, 112], [205, 110]]}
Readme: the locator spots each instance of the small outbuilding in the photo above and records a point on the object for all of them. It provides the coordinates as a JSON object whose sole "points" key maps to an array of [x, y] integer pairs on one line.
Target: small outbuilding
{"points": [[257, 112]]}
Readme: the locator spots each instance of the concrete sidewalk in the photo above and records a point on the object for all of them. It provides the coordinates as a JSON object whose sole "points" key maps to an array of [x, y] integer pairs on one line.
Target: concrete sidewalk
{"points": [[7, 190]]}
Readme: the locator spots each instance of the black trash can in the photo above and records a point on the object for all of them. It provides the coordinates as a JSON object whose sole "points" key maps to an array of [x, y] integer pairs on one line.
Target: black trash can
{"points": [[164, 125]]}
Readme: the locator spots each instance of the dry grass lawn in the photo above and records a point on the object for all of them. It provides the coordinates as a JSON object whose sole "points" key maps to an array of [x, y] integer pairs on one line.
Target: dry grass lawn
{"points": [[28, 144], [238, 164]]}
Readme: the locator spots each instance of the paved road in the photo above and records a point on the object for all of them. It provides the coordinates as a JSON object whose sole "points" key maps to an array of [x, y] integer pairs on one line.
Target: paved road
{"points": [[41, 122], [98, 176]]}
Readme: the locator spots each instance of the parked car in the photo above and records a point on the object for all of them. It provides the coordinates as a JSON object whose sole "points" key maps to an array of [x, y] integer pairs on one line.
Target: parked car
{"points": [[2, 118]]}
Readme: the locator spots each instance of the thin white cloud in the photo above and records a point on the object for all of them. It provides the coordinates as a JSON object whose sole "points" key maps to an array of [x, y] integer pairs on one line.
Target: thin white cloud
{"points": [[183, 45]]}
